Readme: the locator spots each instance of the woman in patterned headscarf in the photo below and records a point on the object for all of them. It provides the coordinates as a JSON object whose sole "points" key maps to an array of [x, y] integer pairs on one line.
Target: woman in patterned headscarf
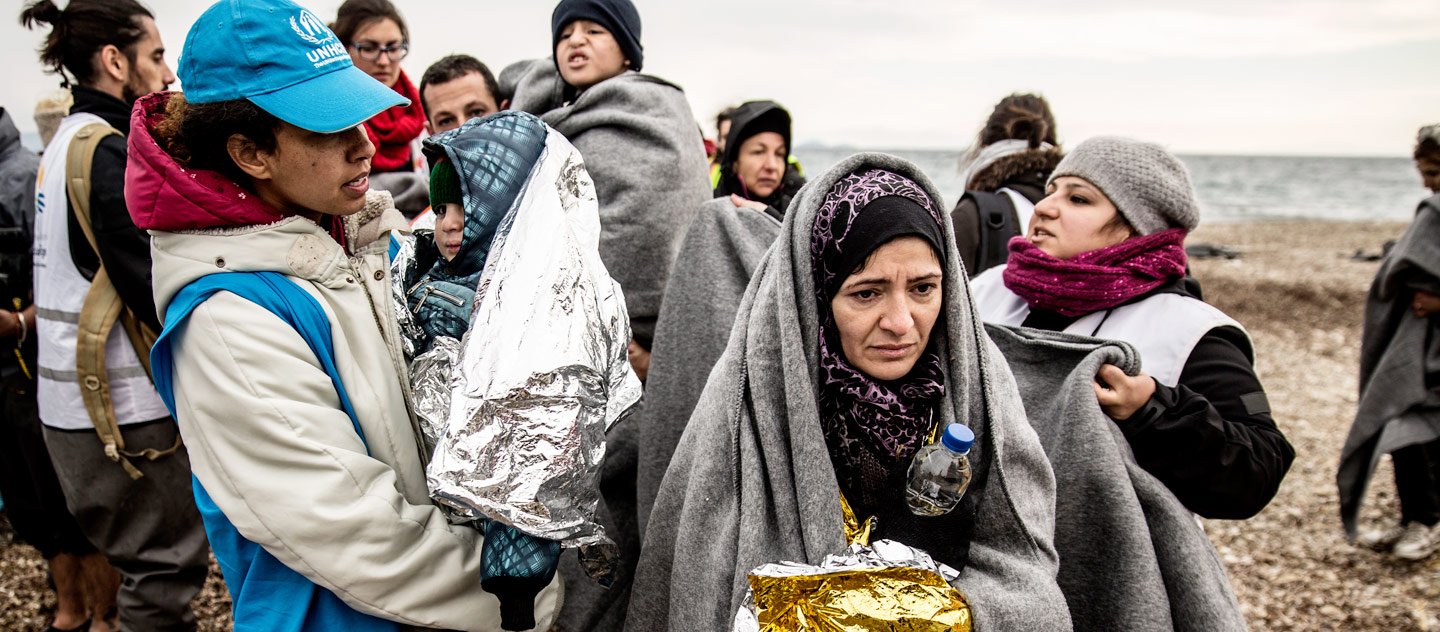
{"points": [[855, 339]]}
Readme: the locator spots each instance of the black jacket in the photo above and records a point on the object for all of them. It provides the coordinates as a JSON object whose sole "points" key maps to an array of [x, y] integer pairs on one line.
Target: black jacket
{"points": [[1211, 438], [124, 249]]}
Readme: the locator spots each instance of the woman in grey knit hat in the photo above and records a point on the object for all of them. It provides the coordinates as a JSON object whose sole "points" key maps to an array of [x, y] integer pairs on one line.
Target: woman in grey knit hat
{"points": [[1104, 256]]}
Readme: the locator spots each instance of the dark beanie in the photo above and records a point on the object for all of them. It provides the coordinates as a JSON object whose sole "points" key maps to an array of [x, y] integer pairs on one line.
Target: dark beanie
{"points": [[617, 16], [444, 185]]}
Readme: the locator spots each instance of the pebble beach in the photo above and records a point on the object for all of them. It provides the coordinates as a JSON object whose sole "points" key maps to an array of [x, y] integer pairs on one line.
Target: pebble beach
{"points": [[1296, 288]]}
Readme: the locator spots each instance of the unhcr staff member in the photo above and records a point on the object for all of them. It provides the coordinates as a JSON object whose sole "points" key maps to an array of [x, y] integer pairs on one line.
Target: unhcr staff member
{"points": [[307, 467], [856, 338], [1104, 256]]}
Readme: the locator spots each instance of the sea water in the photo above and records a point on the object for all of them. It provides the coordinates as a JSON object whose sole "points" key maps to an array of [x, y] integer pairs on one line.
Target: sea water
{"points": [[1232, 188]]}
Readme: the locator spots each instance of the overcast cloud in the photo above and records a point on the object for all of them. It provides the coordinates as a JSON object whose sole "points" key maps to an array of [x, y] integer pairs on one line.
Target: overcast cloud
{"points": [[1326, 77]]}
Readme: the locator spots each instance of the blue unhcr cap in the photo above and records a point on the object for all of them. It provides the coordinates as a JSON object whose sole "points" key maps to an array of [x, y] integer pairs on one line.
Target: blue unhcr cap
{"points": [[283, 59]]}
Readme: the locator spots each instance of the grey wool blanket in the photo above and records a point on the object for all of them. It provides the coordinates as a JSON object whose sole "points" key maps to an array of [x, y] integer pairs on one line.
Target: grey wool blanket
{"points": [[751, 481], [1131, 556], [1399, 363], [644, 152], [721, 250]]}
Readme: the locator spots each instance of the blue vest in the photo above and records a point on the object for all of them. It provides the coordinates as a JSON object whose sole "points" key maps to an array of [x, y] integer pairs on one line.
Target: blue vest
{"points": [[266, 595]]}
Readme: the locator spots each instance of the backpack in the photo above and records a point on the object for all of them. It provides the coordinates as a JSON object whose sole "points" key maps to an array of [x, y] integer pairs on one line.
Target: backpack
{"points": [[1000, 219], [997, 226], [101, 310], [278, 598]]}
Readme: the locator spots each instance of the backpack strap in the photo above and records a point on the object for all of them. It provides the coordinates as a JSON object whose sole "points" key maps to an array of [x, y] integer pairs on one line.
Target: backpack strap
{"points": [[271, 290], [101, 310], [997, 226], [285, 600]]}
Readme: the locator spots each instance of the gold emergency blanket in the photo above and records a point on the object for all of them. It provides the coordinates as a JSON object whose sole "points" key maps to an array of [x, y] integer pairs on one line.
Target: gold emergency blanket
{"points": [[887, 586]]}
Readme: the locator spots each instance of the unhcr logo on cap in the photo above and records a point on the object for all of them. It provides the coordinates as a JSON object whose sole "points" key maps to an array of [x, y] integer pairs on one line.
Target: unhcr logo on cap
{"points": [[309, 28], [328, 50]]}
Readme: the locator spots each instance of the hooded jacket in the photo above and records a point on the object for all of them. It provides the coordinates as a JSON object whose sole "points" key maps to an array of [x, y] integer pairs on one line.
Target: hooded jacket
{"points": [[752, 482], [749, 119], [17, 227], [262, 422], [17, 178], [17, 210], [644, 152]]}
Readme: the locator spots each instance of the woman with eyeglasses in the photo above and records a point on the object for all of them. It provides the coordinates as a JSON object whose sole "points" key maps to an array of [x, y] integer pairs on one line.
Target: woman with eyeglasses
{"points": [[378, 40]]}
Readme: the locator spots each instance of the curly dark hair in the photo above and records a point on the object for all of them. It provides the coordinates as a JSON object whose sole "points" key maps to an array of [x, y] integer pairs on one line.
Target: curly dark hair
{"points": [[197, 134], [83, 27]]}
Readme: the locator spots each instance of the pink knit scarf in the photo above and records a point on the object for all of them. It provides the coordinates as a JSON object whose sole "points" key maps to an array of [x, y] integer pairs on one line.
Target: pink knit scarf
{"points": [[1098, 279]]}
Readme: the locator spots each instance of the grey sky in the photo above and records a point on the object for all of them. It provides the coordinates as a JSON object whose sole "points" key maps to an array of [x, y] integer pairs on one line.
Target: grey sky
{"points": [[1325, 77]]}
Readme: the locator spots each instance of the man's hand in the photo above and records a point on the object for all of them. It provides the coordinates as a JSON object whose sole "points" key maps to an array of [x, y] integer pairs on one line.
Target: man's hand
{"points": [[1424, 304], [1121, 395], [639, 359]]}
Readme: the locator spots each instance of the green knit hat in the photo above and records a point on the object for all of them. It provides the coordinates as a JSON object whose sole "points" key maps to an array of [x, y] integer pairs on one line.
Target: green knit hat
{"points": [[444, 184]]}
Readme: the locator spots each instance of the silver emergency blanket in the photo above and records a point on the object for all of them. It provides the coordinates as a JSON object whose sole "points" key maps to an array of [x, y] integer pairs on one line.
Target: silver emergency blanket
{"points": [[880, 555], [542, 372], [432, 382], [403, 266]]}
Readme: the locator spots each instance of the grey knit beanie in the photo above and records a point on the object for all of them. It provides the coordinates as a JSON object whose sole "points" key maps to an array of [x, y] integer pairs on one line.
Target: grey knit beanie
{"points": [[1148, 186]]}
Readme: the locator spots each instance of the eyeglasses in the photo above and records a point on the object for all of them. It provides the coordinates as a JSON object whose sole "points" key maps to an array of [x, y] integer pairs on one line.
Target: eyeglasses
{"points": [[370, 51]]}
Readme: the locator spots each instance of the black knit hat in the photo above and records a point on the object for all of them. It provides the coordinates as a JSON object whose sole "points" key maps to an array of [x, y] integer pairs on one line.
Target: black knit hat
{"points": [[617, 16]]}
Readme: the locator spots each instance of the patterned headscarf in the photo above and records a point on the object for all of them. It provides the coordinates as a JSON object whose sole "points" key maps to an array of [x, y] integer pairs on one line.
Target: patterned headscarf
{"points": [[861, 415]]}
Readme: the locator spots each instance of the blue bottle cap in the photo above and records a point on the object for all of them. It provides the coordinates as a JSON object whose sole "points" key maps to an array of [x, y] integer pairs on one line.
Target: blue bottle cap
{"points": [[958, 438]]}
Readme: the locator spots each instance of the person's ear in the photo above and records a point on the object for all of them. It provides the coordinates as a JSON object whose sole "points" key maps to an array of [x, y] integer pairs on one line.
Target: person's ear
{"points": [[115, 63], [505, 105], [249, 158]]}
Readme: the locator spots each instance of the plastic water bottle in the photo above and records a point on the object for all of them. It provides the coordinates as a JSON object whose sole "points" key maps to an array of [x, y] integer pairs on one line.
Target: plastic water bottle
{"points": [[940, 473]]}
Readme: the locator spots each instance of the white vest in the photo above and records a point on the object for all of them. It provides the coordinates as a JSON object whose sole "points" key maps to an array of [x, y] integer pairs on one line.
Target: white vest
{"points": [[59, 294], [1163, 328]]}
